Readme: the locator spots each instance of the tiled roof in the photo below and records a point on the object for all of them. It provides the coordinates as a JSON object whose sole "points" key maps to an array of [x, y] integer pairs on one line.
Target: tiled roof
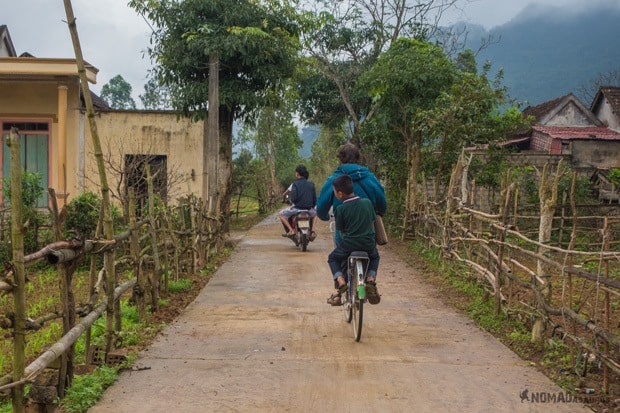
{"points": [[573, 133], [98, 102], [6, 43], [612, 94], [540, 111]]}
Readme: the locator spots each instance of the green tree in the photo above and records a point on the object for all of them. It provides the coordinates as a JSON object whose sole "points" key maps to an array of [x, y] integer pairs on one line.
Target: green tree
{"points": [[257, 45], [117, 92], [243, 172], [343, 40], [473, 111], [406, 81], [155, 96], [276, 142], [466, 62], [323, 160]]}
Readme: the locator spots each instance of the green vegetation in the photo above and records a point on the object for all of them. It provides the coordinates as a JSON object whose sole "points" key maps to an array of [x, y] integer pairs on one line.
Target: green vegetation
{"points": [[86, 390], [83, 214], [117, 93], [179, 286]]}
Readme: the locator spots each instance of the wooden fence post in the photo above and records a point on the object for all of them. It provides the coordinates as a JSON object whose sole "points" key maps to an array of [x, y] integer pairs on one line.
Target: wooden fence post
{"points": [[67, 300], [548, 196], [497, 287], [156, 275]]}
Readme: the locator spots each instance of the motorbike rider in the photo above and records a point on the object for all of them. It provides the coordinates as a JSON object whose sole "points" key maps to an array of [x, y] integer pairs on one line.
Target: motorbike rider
{"points": [[302, 196]]}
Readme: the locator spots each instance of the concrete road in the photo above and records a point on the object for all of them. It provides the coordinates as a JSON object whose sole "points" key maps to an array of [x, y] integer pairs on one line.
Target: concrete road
{"points": [[261, 338]]}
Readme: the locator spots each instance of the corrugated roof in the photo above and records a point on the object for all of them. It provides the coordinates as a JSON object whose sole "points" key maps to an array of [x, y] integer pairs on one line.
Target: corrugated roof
{"points": [[574, 133]]}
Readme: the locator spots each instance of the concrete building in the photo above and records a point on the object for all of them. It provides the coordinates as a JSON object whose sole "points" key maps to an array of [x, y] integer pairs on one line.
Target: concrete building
{"points": [[42, 98]]}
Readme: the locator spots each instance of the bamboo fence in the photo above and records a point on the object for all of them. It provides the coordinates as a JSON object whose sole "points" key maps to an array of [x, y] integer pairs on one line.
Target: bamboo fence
{"points": [[565, 284], [168, 242]]}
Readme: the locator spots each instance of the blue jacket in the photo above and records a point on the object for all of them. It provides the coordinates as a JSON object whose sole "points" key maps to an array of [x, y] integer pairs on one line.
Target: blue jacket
{"points": [[365, 185]]}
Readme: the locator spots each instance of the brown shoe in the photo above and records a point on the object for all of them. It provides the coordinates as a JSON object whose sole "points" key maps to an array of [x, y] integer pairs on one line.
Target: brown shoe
{"points": [[334, 299], [372, 294]]}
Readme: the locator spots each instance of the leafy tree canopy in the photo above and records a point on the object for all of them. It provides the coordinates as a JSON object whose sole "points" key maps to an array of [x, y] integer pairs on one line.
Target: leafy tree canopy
{"points": [[117, 93], [256, 42], [155, 96]]}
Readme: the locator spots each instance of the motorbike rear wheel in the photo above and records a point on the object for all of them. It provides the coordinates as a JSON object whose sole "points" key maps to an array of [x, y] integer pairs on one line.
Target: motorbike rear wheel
{"points": [[304, 241]]}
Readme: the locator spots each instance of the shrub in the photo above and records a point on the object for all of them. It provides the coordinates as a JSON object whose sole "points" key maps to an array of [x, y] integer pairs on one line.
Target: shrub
{"points": [[83, 214]]}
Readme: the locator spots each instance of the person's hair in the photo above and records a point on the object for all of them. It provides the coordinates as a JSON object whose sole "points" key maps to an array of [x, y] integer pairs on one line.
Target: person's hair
{"points": [[303, 171], [348, 153], [344, 184]]}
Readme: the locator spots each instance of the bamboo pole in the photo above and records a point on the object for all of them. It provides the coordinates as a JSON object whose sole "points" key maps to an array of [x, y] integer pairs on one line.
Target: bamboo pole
{"points": [[108, 225], [65, 272], [61, 346], [19, 292]]}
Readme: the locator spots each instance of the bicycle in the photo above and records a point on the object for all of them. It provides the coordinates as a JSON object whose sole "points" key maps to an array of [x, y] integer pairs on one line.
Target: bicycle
{"points": [[353, 300], [355, 297]]}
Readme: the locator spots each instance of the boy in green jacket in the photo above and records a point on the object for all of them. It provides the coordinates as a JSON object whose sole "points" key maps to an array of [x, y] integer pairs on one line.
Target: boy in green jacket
{"points": [[354, 221]]}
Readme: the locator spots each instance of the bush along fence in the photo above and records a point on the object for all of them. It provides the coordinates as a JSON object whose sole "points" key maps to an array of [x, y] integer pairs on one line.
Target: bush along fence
{"points": [[163, 244], [556, 267]]}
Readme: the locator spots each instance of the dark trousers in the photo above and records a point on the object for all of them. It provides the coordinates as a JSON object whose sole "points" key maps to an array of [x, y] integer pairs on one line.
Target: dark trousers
{"points": [[337, 261]]}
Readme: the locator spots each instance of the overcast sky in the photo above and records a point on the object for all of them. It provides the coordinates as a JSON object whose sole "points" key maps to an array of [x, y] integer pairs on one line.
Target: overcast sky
{"points": [[113, 38]]}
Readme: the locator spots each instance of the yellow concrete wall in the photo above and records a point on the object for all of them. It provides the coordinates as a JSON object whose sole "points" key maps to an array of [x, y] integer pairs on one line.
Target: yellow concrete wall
{"points": [[151, 133], [38, 101], [121, 132]]}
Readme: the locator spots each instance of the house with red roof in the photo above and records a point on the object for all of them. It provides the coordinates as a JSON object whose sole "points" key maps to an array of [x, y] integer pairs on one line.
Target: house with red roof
{"points": [[565, 126], [606, 106]]}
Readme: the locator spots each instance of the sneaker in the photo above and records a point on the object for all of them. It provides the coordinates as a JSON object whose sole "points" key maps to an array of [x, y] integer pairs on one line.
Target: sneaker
{"points": [[312, 236], [372, 294]]}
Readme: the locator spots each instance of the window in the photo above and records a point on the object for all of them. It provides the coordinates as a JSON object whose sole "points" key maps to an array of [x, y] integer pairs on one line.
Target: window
{"points": [[135, 177], [35, 138]]}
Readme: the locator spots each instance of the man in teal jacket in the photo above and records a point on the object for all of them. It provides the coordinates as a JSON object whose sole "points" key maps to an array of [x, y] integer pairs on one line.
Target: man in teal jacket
{"points": [[365, 184]]}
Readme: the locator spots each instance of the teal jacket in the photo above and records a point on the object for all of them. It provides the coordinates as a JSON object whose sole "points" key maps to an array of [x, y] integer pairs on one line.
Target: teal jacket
{"points": [[365, 185]]}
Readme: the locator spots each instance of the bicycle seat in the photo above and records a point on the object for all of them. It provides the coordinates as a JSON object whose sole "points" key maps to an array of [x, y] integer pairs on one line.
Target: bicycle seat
{"points": [[358, 254]]}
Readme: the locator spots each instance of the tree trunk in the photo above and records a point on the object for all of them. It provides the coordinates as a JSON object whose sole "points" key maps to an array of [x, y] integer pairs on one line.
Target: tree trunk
{"points": [[211, 146], [413, 148], [548, 195], [224, 168]]}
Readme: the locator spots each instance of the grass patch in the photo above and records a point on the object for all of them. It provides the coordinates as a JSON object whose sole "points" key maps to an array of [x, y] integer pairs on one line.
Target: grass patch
{"points": [[179, 286], [86, 390]]}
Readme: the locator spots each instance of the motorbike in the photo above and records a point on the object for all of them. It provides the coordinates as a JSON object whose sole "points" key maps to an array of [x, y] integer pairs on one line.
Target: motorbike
{"points": [[301, 223]]}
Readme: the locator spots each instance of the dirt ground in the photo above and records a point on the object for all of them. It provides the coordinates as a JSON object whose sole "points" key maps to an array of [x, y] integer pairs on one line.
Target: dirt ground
{"points": [[259, 337]]}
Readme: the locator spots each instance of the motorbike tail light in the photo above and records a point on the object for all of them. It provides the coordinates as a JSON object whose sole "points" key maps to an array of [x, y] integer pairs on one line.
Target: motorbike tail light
{"points": [[303, 215]]}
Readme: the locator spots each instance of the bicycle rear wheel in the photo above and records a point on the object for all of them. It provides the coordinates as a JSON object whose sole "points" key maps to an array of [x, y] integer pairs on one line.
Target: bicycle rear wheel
{"points": [[346, 305], [357, 310]]}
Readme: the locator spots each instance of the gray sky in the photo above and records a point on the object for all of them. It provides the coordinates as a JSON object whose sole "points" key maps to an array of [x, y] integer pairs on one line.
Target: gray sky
{"points": [[113, 38]]}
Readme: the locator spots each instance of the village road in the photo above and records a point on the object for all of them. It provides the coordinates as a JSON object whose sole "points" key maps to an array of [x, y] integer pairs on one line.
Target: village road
{"points": [[261, 338]]}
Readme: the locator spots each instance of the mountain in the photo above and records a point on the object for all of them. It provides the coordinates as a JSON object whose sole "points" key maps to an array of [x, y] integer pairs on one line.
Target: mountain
{"points": [[308, 135], [546, 52]]}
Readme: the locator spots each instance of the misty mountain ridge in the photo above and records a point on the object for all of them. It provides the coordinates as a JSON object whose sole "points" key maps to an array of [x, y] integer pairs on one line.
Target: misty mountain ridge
{"points": [[547, 52]]}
